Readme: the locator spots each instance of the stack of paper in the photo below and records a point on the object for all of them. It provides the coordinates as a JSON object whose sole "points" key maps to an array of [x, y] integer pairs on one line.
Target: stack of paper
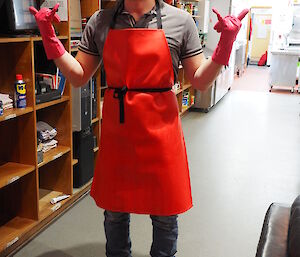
{"points": [[7, 102], [48, 145], [46, 136]]}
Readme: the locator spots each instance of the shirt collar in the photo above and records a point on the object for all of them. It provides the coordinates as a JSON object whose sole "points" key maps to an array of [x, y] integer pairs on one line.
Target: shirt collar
{"points": [[152, 12]]}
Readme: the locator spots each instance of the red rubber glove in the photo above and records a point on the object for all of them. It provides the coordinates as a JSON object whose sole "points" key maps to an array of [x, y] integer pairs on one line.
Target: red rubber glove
{"points": [[53, 47], [229, 28]]}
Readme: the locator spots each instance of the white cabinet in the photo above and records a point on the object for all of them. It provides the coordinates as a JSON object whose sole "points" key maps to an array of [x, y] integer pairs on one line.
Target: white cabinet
{"points": [[203, 16]]}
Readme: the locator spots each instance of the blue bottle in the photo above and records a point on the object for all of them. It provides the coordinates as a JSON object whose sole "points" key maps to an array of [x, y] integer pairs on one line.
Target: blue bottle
{"points": [[20, 96], [1, 108]]}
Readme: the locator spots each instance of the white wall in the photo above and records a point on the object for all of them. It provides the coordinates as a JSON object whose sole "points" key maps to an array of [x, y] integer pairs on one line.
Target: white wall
{"points": [[223, 6]]}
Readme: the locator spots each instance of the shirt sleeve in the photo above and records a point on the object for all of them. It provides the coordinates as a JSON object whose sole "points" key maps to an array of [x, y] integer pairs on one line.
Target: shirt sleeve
{"points": [[191, 44], [87, 43]]}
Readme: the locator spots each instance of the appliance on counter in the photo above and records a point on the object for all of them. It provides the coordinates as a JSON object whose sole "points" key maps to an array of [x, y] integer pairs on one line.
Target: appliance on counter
{"points": [[15, 16], [83, 145], [204, 101]]}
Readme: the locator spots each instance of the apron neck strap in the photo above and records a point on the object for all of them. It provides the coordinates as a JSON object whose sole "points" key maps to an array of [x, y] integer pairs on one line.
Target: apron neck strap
{"points": [[121, 7]]}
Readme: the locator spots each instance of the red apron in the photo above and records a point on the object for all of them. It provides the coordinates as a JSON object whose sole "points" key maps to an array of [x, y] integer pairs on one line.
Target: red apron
{"points": [[142, 166]]}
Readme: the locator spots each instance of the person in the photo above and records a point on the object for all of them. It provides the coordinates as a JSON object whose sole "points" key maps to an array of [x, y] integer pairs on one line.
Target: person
{"points": [[142, 166]]}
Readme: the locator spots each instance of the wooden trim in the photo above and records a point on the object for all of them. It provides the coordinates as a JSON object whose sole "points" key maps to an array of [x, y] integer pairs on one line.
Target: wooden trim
{"points": [[261, 7], [74, 162], [95, 120], [54, 154], [185, 110], [13, 113], [51, 103], [11, 172], [14, 39]]}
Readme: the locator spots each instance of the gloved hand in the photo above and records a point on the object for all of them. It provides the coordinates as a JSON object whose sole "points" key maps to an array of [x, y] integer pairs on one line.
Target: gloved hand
{"points": [[229, 28], [53, 47]]}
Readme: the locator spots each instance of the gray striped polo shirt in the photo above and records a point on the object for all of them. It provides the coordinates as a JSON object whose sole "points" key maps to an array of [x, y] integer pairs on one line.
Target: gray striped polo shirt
{"points": [[178, 25]]}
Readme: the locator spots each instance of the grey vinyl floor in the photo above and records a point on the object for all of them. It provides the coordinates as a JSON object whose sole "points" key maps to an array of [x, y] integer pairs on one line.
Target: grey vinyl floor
{"points": [[243, 155]]}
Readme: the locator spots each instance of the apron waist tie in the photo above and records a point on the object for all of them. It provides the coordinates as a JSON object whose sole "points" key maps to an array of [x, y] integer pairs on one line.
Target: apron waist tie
{"points": [[119, 93]]}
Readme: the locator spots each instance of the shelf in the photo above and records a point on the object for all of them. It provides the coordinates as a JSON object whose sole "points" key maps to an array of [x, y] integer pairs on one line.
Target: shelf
{"points": [[96, 149], [74, 49], [74, 162], [40, 38], [13, 230], [51, 103], [45, 207], [13, 113], [95, 120], [177, 91], [11, 172], [54, 154], [186, 86], [84, 188], [184, 110], [14, 39]]}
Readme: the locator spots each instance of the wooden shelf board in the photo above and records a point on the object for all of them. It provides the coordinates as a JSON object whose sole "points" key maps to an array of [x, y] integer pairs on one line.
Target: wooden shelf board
{"points": [[54, 154], [40, 38], [74, 162], [96, 149], [84, 188], [45, 207], [13, 230], [177, 92], [186, 86], [51, 103], [74, 49], [184, 110], [13, 113], [10, 172], [14, 39], [95, 120]]}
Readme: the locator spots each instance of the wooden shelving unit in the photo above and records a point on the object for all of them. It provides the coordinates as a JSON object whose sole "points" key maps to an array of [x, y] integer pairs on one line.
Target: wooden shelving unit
{"points": [[27, 187], [185, 86], [13, 113], [58, 101], [11, 172], [54, 154]]}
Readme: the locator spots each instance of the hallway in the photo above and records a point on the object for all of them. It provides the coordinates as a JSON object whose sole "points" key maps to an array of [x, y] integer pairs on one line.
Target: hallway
{"points": [[244, 154]]}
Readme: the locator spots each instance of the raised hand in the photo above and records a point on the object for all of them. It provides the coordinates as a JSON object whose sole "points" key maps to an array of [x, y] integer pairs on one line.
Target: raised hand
{"points": [[229, 27], [45, 14], [44, 18]]}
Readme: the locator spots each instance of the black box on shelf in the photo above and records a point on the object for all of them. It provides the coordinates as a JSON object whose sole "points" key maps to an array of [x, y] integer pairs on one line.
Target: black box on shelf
{"points": [[83, 150], [47, 97]]}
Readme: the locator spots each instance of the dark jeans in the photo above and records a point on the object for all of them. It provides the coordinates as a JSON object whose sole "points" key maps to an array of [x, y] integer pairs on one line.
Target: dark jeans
{"points": [[118, 243]]}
